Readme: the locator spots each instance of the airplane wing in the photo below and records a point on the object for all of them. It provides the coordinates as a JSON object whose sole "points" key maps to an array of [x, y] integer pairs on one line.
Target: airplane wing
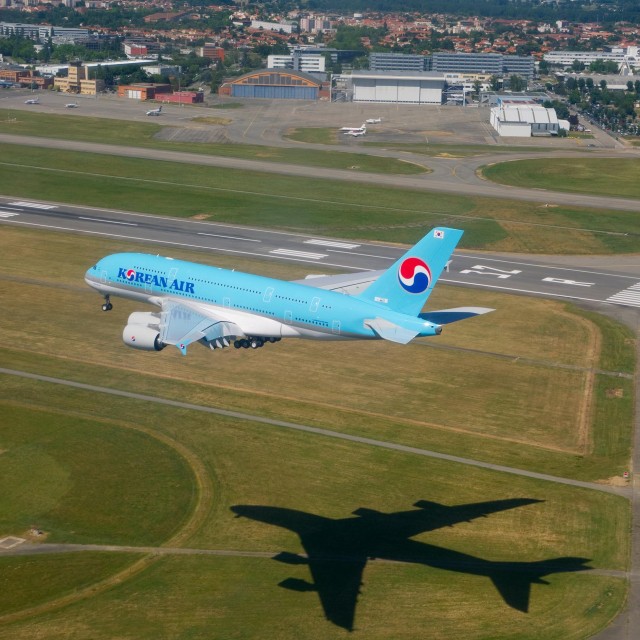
{"points": [[338, 582], [181, 325], [350, 283]]}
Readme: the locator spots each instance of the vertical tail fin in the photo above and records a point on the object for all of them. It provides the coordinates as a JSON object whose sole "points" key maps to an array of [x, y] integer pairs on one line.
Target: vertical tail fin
{"points": [[407, 284]]}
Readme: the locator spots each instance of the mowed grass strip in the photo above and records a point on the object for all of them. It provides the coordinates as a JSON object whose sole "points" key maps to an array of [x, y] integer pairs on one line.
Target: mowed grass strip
{"points": [[617, 177], [309, 205], [476, 391], [142, 134]]}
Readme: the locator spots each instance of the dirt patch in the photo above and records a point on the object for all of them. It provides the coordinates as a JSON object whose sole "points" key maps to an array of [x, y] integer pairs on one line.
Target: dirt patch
{"points": [[614, 393], [201, 216], [615, 481], [35, 535]]}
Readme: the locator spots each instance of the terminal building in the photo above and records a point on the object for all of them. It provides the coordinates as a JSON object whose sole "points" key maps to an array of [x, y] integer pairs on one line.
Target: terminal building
{"points": [[298, 61]]}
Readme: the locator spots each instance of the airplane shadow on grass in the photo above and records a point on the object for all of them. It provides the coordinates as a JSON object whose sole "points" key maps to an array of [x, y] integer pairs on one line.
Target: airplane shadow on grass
{"points": [[337, 551]]}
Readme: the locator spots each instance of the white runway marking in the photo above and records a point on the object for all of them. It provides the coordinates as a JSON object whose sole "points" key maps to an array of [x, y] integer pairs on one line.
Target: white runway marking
{"points": [[128, 224], [332, 243], [8, 214], [629, 296], [298, 254], [33, 205], [218, 235]]}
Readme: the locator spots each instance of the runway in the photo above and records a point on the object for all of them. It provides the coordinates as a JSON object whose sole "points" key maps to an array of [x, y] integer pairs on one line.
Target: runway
{"points": [[511, 274]]}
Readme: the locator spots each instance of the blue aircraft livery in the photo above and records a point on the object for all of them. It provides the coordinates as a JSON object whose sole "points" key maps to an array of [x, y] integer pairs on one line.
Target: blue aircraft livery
{"points": [[216, 307]]}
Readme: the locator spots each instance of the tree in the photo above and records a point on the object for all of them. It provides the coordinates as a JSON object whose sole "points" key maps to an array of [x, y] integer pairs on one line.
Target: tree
{"points": [[577, 66], [517, 83]]}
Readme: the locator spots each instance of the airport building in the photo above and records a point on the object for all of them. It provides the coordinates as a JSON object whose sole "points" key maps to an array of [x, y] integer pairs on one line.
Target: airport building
{"points": [[567, 58], [401, 87], [77, 81], [397, 62], [524, 120], [495, 64], [143, 90], [298, 61], [279, 84]]}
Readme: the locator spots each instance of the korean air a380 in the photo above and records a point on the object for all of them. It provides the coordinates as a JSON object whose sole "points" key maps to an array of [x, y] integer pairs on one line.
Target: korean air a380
{"points": [[217, 307]]}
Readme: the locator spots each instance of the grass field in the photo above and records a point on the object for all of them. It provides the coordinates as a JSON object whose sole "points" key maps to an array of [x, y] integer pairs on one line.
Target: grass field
{"points": [[617, 177], [114, 469], [314, 206], [142, 134]]}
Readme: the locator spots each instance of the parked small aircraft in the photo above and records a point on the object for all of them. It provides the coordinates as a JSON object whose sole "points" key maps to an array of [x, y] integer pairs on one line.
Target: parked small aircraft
{"points": [[373, 120], [355, 134], [155, 112], [71, 105], [217, 307], [32, 101], [351, 130]]}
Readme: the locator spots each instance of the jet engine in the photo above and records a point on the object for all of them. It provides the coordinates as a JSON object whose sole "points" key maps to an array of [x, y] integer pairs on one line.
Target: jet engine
{"points": [[143, 332]]}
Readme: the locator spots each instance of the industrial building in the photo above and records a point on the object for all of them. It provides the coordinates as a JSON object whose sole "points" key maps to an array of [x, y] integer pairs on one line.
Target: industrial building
{"points": [[397, 62], [495, 64], [78, 81], [143, 90], [298, 61], [401, 87], [275, 84], [524, 120]]}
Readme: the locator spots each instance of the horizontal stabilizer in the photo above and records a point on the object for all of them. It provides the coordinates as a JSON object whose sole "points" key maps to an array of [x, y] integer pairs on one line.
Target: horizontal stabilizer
{"points": [[297, 584], [390, 331], [290, 558], [447, 316]]}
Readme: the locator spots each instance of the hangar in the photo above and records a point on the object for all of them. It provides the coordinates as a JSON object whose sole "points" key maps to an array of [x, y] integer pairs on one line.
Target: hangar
{"points": [[397, 86], [524, 120], [275, 84]]}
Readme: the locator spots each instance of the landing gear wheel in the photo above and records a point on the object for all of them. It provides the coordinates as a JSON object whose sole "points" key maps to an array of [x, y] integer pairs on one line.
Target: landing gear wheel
{"points": [[107, 306], [255, 343]]}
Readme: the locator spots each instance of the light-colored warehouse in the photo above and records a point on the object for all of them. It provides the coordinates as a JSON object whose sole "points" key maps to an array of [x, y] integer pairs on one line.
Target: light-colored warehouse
{"points": [[396, 86], [524, 121]]}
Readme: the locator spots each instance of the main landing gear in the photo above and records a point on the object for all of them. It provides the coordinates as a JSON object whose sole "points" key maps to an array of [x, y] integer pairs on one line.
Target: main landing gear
{"points": [[253, 342], [107, 306]]}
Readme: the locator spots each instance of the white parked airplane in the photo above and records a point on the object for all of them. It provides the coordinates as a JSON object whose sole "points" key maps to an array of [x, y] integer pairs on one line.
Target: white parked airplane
{"points": [[373, 120], [355, 133], [351, 130], [32, 101], [71, 105], [155, 112]]}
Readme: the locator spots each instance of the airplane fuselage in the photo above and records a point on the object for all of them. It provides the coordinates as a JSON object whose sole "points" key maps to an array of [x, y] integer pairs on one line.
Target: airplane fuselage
{"points": [[261, 306]]}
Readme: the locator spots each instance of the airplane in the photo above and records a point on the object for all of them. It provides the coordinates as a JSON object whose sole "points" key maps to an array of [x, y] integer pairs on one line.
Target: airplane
{"points": [[155, 112], [32, 101], [355, 134], [214, 306], [373, 120], [71, 105], [351, 130], [337, 551]]}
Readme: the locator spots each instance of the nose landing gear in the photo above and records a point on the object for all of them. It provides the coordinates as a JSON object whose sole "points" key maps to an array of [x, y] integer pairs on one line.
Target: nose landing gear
{"points": [[107, 306]]}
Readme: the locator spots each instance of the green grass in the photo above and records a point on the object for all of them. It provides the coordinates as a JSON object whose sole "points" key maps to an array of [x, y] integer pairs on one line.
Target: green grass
{"points": [[454, 149], [311, 205], [533, 399], [30, 581], [68, 477], [142, 134], [95, 467], [315, 135], [617, 177]]}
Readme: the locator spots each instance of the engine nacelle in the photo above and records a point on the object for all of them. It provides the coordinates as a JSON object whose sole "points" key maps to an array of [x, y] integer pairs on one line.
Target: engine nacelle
{"points": [[144, 318], [141, 337]]}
